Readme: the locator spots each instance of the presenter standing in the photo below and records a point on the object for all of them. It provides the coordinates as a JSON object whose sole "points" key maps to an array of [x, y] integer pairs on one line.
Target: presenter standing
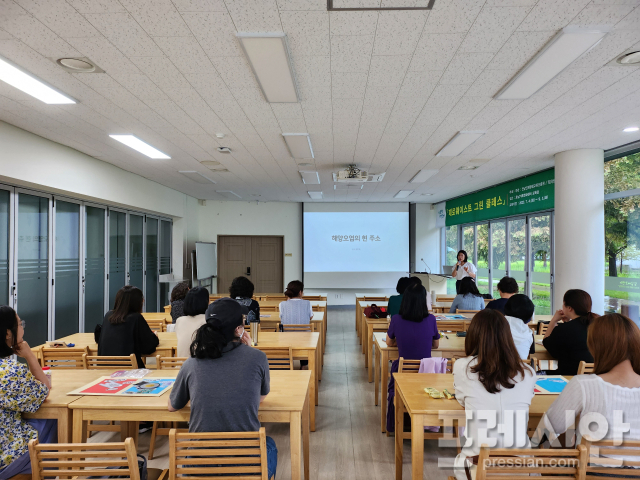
{"points": [[463, 269]]}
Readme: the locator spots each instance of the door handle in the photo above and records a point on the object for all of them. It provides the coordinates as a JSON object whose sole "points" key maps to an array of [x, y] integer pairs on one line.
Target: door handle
{"points": [[248, 270]]}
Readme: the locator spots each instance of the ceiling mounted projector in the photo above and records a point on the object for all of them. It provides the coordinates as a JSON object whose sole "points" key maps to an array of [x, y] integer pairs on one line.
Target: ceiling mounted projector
{"points": [[353, 174]]}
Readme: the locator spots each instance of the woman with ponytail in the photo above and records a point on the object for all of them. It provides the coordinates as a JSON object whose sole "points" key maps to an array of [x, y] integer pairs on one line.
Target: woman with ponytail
{"points": [[295, 310], [567, 341], [225, 379]]}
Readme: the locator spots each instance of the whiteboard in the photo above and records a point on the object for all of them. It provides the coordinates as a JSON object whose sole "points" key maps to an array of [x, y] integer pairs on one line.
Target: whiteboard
{"points": [[206, 260]]}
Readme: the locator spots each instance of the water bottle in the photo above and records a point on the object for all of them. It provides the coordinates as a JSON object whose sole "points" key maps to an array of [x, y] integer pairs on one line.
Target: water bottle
{"points": [[255, 326]]}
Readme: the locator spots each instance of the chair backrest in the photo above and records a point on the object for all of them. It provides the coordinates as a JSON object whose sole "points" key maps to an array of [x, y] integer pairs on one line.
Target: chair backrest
{"points": [[305, 327], [542, 328], [600, 461], [444, 298], [466, 311], [166, 363], [63, 357], [83, 460], [533, 362], [276, 298], [317, 298], [268, 308], [279, 358], [156, 325], [503, 464], [269, 326], [585, 367], [451, 325], [413, 366], [94, 362], [158, 316], [375, 299], [224, 454]]}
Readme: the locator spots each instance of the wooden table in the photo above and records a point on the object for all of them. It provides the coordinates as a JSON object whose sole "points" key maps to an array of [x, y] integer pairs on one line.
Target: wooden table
{"points": [[56, 406], [424, 410], [452, 347], [287, 402]]}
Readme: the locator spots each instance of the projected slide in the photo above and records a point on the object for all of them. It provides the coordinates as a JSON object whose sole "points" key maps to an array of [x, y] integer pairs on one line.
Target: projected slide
{"points": [[356, 241]]}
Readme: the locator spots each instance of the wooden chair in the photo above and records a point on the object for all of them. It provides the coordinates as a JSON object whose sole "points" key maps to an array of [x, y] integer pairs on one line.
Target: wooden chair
{"points": [[315, 298], [542, 328], [413, 366], [375, 299], [268, 308], [444, 298], [269, 326], [533, 362], [598, 460], [86, 460], [94, 362], [519, 463], [158, 316], [585, 367], [223, 454], [316, 308], [306, 327], [466, 311], [279, 358], [157, 325], [63, 357], [451, 326], [276, 298], [164, 363]]}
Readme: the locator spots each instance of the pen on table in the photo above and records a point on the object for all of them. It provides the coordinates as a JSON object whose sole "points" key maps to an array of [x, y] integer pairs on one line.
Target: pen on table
{"points": [[445, 335]]}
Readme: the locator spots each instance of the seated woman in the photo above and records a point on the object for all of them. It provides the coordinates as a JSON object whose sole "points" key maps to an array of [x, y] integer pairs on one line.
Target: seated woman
{"points": [[518, 311], [468, 298], [124, 330], [492, 380], [178, 294], [567, 341], [195, 306], [393, 305], [225, 379], [507, 287], [295, 310], [613, 389], [241, 290], [415, 332], [23, 388]]}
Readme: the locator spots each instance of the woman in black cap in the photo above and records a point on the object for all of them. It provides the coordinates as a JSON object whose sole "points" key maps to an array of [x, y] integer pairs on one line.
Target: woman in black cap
{"points": [[225, 379]]}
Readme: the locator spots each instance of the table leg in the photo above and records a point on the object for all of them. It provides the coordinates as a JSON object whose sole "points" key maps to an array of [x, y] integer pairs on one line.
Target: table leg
{"points": [[296, 434], [65, 423], [370, 342], [363, 333], [319, 361], [384, 382], [399, 405], [78, 426], [313, 390], [376, 372], [305, 438], [417, 446]]}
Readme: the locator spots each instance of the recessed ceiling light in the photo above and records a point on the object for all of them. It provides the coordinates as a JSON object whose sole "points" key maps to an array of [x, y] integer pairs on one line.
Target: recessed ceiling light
{"points": [[310, 178], [299, 145], [268, 55], [426, 194], [459, 143], [196, 176], [134, 142], [468, 167], [224, 149], [77, 65], [20, 79], [220, 135], [631, 129], [305, 164], [315, 195], [630, 58], [561, 51], [212, 164], [228, 194], [403, 194], [423, 176]]}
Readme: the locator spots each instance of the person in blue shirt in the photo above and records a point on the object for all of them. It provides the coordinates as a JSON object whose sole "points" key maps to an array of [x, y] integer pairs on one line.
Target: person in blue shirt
{"points": [[469, 297]]}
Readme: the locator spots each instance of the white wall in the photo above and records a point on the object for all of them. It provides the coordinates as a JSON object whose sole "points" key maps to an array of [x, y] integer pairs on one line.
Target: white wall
{"points": [[252, 218], [427, 241], [31, 161]]}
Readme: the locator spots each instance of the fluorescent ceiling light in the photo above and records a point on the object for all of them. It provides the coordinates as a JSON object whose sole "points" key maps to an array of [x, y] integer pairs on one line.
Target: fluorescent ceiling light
{"points": [[137, 144], [299, 145], [561, 51], [228, 194], [459, 143], [310, 178], [347, 186], [403, 194], [315, 195], [631, 129], [268, 55], [423, 176], [196, 176], [468, 167], [18, 78]]}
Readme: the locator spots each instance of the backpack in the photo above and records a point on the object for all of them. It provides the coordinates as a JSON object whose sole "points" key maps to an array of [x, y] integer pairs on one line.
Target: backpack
{"points": [[375, 311]]}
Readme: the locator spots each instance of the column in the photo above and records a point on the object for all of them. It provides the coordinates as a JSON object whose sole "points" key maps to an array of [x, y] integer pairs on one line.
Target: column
{"points": [[579, 225]]}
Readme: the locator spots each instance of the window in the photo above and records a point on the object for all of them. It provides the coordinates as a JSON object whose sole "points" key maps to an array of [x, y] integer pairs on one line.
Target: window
{"points": [[622, 232]]}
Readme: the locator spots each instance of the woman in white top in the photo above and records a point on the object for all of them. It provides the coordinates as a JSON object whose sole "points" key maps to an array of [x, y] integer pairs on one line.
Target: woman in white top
{"points": [[494, 386], [463, 269], [611, 395], [295, 310], [195, 306], [518, 311]]}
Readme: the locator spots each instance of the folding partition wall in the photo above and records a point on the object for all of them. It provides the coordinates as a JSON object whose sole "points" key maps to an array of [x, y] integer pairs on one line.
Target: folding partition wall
{"points": [[63, 260]]}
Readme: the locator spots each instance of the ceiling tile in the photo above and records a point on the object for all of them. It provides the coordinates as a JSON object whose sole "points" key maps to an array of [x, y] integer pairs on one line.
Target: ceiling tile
{"points": [[125, 33], [492, 28], [465, 68], [435, 51], [551, 15], [388, 70], [60, 17], [353, 23]]}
